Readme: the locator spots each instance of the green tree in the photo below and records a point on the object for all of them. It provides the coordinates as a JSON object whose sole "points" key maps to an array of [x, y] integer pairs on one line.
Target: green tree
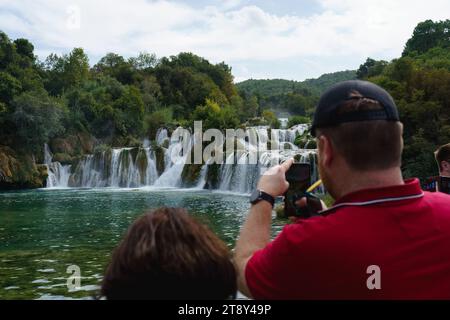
{"points": [[157, 119], [116, 66], [294, 120], [214, 116], [144, 61], [371, 68], [25, 48], [67, 71], [37, 118], [271, 119], [9, 87], [296, 103], [428, 34], [129, 112]]}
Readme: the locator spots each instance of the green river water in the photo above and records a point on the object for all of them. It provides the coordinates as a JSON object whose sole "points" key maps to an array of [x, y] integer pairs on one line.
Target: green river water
{"points": [[42, 232]]}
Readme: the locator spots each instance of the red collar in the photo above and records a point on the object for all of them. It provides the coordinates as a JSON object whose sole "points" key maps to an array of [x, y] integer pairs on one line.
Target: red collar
{"points": [[410, 188]]}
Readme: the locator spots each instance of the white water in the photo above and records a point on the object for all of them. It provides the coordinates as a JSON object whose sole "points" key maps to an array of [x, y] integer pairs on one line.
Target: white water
{"points": [[58, 174], [137, 167]]}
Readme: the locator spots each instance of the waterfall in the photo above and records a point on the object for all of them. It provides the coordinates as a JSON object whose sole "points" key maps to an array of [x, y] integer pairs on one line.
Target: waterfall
{"points": [[58, 174], [161, 136], [151, 174], [243, 176], [175, 159], [202, 178], [120, 168], [161, 163]]}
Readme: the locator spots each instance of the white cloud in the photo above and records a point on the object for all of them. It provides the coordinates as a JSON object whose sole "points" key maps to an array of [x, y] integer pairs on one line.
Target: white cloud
{"points": [[231, 31]]}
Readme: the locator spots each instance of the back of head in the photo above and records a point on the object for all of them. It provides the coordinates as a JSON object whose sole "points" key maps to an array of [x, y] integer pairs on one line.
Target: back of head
{"points": [[167, 254], [443, 155], [361, 121]]}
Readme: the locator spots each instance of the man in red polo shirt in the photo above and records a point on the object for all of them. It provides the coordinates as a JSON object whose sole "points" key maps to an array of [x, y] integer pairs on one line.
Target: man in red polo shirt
{"points": [[384, 238]]}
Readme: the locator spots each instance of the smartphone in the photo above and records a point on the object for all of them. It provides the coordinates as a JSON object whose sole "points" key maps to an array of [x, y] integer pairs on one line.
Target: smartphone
{"points": [[299, 178]]}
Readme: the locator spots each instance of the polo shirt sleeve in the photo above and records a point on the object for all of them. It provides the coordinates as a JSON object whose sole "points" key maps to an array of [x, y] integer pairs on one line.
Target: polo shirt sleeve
{"points": [[270, 271]]}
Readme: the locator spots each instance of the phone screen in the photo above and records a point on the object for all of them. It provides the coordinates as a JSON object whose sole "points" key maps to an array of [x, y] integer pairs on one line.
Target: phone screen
{"points": [[299, 178]]}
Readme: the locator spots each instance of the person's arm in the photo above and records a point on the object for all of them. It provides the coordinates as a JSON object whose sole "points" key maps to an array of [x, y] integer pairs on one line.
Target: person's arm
{"points": [[255, 233]]}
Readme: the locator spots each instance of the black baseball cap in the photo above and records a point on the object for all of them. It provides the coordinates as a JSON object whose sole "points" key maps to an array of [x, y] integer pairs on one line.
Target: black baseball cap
{"points": [[326, 114]]}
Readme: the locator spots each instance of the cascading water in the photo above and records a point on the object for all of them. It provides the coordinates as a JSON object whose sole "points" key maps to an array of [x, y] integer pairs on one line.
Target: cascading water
{"points": [[120, 168], [58, 174], [161, 163], [174, 160], [242, 175]]}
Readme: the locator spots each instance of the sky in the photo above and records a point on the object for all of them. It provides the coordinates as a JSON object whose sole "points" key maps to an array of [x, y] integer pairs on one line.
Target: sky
{"points": [[259, 39]]}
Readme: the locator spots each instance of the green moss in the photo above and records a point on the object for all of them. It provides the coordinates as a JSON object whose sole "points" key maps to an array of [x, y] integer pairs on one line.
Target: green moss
{"points": [[213, 176], [128, 141], [102, 148], [311, 144], [63, 158], [160, 161], [191, 174], [165, 143], [142, 163]]}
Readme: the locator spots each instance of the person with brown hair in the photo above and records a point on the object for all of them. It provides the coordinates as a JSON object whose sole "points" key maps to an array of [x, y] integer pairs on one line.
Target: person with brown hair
{"points": [[167, 254], [442, 155], [384, 237]]}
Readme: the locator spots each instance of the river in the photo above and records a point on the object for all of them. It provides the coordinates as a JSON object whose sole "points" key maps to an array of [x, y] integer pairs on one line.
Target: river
{"points": [[42, 232]]}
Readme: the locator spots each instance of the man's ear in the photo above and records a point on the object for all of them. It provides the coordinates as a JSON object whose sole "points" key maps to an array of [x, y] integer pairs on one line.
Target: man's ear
{"points": [[326, 150]]}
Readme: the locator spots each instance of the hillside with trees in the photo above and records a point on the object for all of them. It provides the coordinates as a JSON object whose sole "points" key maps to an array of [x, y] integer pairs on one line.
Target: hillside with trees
{"points": [[288, 97], [78, 108]]}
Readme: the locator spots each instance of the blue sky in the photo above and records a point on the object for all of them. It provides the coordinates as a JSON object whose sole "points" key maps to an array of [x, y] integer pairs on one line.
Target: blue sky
{"points": [[259, 39]]}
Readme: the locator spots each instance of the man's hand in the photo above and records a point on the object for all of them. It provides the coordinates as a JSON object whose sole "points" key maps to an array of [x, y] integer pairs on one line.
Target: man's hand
{"points": [[255, 234], [273, 181], [303, 203]]}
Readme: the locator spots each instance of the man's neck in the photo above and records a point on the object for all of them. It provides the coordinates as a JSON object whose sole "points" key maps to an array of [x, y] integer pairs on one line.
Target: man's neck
{"points": [[355, 181]]}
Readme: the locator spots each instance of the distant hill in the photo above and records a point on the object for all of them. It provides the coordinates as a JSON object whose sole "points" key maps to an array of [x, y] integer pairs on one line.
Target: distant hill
{"points": [[274, 87], [287, 97], [328, 79]]}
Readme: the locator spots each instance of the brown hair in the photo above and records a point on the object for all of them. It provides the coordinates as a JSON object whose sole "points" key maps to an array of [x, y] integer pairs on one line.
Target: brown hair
{"points": [[442, 154], [167, 254], [366, 145]]}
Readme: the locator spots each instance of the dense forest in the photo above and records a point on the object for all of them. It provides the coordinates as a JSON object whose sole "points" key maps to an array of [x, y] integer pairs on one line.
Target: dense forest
{"points": [[288, 98], [77, 108], [117, 102]]}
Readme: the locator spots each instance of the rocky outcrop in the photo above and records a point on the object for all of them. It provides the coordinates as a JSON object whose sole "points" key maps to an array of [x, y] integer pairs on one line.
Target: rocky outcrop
{"points": [[19, 171], [66, 150]]}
